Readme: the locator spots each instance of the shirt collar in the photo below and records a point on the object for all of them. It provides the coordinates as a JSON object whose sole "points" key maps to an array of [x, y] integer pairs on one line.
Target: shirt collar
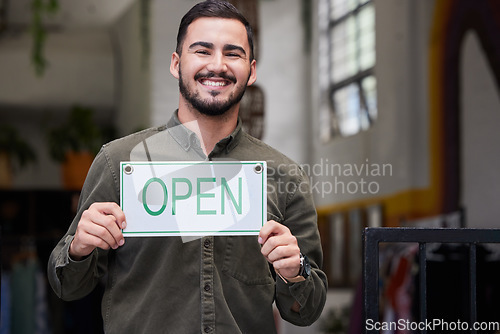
{"points": [[187, 138]]}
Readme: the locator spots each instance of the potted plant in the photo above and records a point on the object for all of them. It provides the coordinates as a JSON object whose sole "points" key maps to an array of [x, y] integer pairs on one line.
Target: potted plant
{"points": [[336, 321], [75, 143], [14, 150]]}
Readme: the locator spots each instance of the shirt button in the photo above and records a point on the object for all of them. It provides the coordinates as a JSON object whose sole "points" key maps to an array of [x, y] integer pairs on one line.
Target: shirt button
{"points": [[207, 243], [207, 287]]}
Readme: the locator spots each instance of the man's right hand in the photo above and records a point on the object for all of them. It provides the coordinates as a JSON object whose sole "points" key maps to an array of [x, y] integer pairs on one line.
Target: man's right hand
{"points": [[100, 226]]}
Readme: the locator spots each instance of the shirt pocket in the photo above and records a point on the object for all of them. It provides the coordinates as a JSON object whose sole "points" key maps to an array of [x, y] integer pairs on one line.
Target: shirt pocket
{"points": [[244, 261]]}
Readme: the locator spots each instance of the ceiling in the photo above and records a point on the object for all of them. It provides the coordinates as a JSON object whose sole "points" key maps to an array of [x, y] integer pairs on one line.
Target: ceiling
{"points": [[71, 13], [79, 52]]}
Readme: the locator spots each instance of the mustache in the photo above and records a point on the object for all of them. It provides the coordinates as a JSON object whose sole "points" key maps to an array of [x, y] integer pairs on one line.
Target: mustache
{"points": [[209, 75]]}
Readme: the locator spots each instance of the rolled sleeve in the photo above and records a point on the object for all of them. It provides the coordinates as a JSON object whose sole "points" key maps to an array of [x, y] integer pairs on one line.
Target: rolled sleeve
{"points": [[66, 279]]}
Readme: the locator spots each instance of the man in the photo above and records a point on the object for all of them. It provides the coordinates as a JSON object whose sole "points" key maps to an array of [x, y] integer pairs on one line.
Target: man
{"points": [[223, 284]]}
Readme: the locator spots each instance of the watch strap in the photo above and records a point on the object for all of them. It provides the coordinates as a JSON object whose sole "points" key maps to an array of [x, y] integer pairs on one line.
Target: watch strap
{"points": [[298, 278]]}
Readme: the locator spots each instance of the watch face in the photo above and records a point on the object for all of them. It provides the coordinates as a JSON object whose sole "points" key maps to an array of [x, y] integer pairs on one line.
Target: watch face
{"points": [[307, 267]]}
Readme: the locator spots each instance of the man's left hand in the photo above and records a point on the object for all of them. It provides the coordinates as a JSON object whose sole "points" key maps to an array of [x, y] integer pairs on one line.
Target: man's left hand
{"points": [[280, 248]]}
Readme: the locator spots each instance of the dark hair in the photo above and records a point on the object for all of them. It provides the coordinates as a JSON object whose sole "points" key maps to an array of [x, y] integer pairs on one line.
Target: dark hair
{"points": [[213, 8]]}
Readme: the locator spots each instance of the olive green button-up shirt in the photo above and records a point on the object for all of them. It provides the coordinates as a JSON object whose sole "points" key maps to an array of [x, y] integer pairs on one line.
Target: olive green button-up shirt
{"points": [[214, 284]]}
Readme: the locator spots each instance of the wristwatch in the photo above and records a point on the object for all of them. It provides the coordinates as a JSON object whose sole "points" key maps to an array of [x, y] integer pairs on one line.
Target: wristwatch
{"points": [[304, 271]]}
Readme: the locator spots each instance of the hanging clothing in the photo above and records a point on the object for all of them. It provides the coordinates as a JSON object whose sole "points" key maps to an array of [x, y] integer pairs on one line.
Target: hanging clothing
{"points": [[23, 287], [28, 306], [5, 304]]}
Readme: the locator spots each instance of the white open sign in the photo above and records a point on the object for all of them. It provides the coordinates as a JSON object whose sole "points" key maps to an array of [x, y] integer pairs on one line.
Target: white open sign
{"points": [[194, 198]]}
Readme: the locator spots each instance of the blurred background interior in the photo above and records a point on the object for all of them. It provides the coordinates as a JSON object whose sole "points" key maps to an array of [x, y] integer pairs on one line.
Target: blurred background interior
{"points": [[392, 106]]}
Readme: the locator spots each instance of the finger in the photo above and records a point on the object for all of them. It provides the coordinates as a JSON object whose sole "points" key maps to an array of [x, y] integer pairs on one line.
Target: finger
{"points": [[270, 228], [112, 209], [275, 242], [103, 234], [289, 263], [289, 251], [107, 221], [84, 243], [88, 242]]}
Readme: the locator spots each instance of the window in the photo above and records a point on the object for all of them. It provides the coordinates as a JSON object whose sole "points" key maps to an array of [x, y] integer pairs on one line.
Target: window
{"points": [[346, 67]]}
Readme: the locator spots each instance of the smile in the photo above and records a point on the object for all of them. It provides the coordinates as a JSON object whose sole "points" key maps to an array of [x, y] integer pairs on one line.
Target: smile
{"points": [[213, 83]]}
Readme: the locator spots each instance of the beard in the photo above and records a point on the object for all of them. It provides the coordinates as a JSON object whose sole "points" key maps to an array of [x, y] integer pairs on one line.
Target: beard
{"points": [[209, 106]]}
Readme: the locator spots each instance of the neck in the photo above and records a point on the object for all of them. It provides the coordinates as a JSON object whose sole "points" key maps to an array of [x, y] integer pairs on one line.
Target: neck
{"points": [[209, 129]]}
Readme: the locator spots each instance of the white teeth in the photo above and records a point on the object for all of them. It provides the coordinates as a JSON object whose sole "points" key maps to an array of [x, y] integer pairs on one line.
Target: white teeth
{"points": [[214, 83]]}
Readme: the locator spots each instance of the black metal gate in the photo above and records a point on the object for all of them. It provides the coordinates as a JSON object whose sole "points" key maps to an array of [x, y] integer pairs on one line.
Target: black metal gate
{"points": [[372, 237]]}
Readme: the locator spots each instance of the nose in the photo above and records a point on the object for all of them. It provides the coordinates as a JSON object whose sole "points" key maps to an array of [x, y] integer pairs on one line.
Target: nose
{"points": [[217, 63]]}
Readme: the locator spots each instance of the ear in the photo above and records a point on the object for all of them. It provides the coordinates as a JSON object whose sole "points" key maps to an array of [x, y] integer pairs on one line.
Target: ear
{"points": [[174, 65], [253, 73]]}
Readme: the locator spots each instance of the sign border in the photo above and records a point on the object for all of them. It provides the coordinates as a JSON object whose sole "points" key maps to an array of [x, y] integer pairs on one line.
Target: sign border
{"points": [[195, 233]]}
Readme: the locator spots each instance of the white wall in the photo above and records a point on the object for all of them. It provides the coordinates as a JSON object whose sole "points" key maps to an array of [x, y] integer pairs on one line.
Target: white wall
{"points": [[133, 78], [480, 119], [281, 72], [166, 16], [399, 137], [80, 69]]}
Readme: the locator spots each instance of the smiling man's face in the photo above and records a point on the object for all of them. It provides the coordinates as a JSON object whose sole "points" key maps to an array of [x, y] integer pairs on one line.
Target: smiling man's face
{"points": [[214, 67]]}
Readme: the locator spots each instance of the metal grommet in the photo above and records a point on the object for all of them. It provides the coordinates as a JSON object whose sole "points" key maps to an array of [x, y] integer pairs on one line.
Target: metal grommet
{"points": [[258, 168], [128, 169]]}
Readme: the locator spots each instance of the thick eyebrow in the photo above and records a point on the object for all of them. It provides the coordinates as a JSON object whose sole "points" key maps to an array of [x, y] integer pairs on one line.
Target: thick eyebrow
{"points": [[203, 44], [227, 47], [231, 47]]}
